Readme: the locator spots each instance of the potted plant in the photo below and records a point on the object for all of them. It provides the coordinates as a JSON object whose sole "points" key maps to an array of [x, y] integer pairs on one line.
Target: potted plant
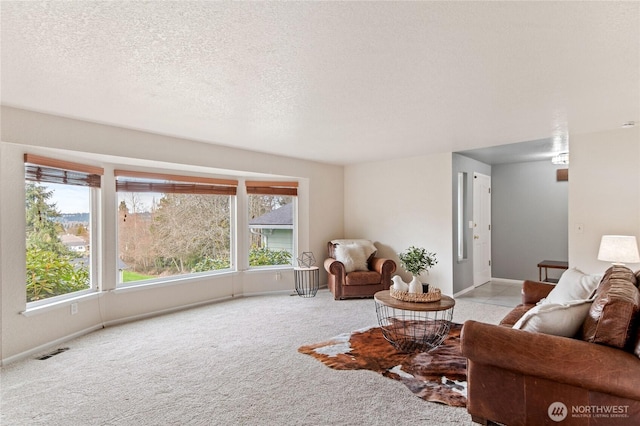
{"points": [[417, 260]]}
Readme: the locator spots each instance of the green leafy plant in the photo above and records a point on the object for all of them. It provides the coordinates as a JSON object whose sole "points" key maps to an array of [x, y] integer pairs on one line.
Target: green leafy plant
{"points": [[210, 264], [262, 256], [51, 274], [416, 260]]}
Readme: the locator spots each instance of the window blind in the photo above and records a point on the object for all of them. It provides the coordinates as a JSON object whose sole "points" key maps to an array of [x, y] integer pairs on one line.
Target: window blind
{"points": [[272, 188], [135, 181], [50, 170]]}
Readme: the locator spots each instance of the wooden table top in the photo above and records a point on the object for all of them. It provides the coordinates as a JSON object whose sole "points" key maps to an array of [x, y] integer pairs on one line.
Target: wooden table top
{"points": [[383, 297], [557, 264]]}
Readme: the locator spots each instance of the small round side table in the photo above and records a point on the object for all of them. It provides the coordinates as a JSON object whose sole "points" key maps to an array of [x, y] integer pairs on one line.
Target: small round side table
{"points": [[307, 281]]}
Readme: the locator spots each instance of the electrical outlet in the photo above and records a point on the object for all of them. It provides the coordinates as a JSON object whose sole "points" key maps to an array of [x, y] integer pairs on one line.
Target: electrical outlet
{"points": [[74, 308]]}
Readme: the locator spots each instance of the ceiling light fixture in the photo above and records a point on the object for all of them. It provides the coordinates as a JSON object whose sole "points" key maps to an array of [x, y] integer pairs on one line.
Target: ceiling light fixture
{"points": [[560, 158]]}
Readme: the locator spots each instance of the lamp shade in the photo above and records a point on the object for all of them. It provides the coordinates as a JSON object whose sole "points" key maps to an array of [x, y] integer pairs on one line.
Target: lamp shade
{"points": [[619, 249]]}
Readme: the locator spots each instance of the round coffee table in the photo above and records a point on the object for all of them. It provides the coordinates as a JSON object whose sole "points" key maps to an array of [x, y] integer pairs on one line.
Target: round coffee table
{"points": [[412, 326]]}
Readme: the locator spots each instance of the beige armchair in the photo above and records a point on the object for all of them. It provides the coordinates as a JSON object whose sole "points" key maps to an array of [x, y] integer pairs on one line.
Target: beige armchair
{"points": [[354, 270]]}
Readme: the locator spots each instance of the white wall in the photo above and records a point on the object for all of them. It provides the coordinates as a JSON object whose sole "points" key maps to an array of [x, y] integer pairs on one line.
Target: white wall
{"points": [[400, 203], [604, 193], [320, 205]]}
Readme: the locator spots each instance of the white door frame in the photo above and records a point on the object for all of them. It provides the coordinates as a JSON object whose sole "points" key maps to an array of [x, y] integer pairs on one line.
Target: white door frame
{"points": [[481, 229]]}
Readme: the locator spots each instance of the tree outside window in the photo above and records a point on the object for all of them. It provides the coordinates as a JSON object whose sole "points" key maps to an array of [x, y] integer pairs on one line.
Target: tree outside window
{"points": [[168, 228]]}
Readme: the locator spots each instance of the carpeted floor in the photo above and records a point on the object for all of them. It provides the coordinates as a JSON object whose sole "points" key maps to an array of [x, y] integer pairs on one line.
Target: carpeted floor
{"points": [[229, 363]]}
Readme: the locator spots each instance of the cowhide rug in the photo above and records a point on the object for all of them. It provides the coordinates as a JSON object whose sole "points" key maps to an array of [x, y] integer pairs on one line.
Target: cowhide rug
{"points": [[439, 375]]}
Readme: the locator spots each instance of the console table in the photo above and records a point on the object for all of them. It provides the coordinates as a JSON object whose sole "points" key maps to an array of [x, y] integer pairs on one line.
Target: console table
{"points": [[413, 326], [550, 264]]}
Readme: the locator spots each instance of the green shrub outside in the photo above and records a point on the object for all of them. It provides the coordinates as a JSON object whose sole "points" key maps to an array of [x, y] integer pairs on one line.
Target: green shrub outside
{"points": [[262, 256], [51, 274]]}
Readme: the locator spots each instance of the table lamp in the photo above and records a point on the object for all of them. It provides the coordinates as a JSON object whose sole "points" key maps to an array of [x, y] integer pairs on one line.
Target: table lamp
{"points": [[619, 249]]}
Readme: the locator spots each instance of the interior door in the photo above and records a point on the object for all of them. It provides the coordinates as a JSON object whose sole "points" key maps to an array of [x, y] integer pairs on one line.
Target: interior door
{"points": [[481, 229]]}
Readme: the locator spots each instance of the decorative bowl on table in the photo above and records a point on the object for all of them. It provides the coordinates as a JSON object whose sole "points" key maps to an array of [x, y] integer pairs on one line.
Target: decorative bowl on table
{"points": [[433, 295]]}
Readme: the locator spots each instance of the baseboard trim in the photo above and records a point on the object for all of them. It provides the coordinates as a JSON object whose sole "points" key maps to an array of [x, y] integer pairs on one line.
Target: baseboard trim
{"points": [[166, 311], [173, 309], [507, 280], [463, 291], [49, 345], [502, 280]]}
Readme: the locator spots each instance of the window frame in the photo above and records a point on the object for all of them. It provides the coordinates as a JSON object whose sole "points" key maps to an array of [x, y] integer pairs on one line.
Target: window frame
{"points": [[184, 184], [283, 188], [57, 169]]}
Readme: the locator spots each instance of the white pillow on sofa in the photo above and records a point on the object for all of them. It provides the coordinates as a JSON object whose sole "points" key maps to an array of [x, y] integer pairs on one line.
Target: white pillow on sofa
{"points": [[573, 285], [563, 319], [353, 257], [368, 247]]}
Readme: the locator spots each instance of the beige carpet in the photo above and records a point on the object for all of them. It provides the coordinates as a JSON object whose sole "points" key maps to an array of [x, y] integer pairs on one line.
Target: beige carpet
{"points": [[229, 363]]}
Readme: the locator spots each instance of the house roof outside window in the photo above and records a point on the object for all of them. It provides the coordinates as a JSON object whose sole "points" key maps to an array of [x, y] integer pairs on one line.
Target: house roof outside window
{"points": [[280, 218], [74, 242]]}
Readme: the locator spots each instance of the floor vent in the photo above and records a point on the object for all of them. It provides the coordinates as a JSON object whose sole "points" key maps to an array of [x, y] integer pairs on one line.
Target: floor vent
{"points": [[52, 353]]}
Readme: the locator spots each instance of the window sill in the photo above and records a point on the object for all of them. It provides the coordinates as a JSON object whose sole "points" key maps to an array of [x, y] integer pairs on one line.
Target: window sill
{"points": [[258, 269], [57, 304], [124, 288]]}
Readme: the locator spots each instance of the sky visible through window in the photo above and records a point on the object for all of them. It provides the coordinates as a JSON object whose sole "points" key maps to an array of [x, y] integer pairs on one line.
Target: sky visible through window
{"points": [[74, 199], [70, 198]]}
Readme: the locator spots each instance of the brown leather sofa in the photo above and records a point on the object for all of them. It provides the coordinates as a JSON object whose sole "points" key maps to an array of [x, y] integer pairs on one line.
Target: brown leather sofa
{"points": [[518, 377], [359, 283]]}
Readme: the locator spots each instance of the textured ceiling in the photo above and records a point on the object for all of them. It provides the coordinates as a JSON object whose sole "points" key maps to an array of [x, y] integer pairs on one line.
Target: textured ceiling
{"points": [[338, 82]]}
